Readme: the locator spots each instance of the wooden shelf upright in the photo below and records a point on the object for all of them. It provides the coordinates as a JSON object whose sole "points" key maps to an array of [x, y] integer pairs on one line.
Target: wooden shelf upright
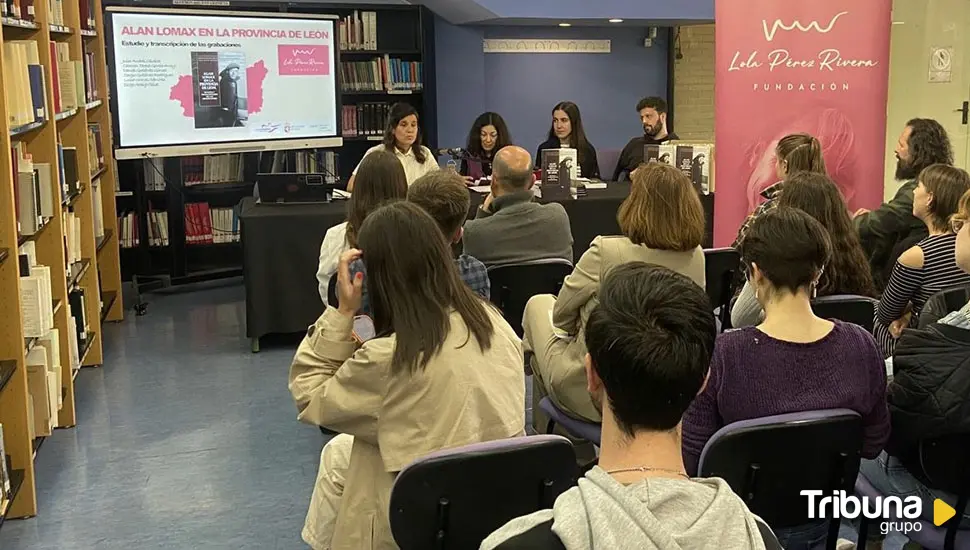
{"points": [[98, 272]]}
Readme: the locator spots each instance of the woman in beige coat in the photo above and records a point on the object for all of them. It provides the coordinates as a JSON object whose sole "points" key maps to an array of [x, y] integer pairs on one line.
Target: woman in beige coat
{"points": [[662, 223], [443, 370]]}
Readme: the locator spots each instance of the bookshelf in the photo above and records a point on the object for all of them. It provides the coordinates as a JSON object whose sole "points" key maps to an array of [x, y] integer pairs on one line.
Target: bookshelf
{"points": [[64, 50]]}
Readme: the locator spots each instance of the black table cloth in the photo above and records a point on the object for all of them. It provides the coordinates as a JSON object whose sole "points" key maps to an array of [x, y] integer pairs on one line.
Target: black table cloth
{"points": [[281, 247]]}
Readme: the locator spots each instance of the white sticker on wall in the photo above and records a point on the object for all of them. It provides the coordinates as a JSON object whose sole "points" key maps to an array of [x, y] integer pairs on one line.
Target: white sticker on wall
{"points": [[941, 65], [512, 45]]}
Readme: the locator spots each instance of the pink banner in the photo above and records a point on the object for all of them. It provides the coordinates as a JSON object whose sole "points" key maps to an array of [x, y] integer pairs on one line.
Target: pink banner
{"points": [[784, 67]]}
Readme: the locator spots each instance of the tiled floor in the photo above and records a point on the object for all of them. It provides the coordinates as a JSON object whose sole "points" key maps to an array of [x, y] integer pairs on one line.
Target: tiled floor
{"points": [[185, 440]]}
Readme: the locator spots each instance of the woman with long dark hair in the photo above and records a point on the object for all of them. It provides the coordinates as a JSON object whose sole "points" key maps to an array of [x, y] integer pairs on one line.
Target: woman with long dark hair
{"points": [[402, 138], [380, 179], [488, 134], [567, 131], [442, 370], [848, 270]]}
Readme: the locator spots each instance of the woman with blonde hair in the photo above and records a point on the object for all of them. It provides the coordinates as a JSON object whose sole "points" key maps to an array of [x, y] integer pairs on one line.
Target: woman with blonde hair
{"points": [[662, 222], [928, 267]]}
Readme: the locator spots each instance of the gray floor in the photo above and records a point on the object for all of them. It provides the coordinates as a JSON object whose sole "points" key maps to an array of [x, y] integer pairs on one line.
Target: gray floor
{"points": [[185, 440]]}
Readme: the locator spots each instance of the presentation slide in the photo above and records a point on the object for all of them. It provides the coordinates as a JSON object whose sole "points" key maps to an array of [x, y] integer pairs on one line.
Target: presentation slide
{"points": [[192, 79]]}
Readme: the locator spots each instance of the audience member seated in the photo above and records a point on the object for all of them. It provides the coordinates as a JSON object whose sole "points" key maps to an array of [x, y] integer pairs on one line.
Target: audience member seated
{"points": [[510, 227], [442, 194], [650, 342], [402, 137], [444, 370], [928, 396], [793, 361], [380, 179], [567, 131], [892, 229], [653, 116], [928, 267], [488, 135], [794, 154], [662, 223], [848, 270]]}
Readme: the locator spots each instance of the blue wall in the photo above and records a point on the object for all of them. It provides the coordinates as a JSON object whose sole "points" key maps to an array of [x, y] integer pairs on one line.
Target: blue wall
{"points": [[524, 87], [687, 10]]}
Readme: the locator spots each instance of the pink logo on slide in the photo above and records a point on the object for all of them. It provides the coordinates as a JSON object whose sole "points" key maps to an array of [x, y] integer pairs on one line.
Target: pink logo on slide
{"points": [[304, 59]]}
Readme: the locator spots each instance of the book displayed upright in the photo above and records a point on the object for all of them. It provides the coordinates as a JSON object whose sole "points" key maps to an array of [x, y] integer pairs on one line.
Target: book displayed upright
{"points": [[558, 172]]}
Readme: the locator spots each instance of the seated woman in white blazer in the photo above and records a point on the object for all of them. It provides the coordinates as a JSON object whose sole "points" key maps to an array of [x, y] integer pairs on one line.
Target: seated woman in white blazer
{"points": [[443, 370], [662, 223]]}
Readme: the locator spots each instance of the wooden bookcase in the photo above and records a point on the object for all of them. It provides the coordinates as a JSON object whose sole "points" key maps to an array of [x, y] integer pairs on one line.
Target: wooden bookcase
{"points": [[98, 273]]}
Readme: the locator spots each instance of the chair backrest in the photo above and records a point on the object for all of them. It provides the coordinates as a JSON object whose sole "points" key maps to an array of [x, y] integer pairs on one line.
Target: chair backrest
{"points": [[769, 461], [848, 308], [457, 497], [944, 463], [332, 291], [513, 285], [607, 160], [721, 266], [943, 303]]}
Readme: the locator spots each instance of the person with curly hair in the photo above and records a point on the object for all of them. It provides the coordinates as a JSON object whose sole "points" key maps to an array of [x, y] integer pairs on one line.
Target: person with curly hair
{"points": [[892, 229]]}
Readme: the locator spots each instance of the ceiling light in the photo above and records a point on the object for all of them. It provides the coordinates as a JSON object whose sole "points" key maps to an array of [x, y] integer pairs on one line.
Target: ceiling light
{"points": [[616, 20], [565, 25]]}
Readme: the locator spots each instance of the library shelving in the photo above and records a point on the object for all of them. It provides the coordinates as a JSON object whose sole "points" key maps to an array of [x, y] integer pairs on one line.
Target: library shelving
{"points": [[59, 258]]}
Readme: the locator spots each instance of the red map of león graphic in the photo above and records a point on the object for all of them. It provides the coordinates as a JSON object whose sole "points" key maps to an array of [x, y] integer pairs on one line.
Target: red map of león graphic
{"points": [[255, 75]]}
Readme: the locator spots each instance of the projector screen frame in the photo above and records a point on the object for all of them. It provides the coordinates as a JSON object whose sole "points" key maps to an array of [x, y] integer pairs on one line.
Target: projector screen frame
{"points": [[216, 147]]}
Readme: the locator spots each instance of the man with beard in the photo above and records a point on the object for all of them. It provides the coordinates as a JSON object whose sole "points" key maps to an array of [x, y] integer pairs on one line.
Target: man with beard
{"points": [[653, 116], [887, 232]]}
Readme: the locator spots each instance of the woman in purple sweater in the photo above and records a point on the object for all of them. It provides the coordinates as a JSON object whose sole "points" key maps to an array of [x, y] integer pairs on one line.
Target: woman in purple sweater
{"points": [[793, 361]]}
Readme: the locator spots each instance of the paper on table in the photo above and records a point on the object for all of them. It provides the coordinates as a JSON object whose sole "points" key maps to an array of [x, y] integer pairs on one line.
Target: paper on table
{"points": [[484, 189], [340, 194], [596, 185]]}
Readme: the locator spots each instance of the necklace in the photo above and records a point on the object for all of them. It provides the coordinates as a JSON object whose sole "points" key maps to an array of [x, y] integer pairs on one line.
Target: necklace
{"points": [[645, 469]]}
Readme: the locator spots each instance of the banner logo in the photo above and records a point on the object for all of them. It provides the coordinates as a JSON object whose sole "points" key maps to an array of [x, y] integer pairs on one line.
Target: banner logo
{"points": [[942, 512], [770, 34], [298, 60]]}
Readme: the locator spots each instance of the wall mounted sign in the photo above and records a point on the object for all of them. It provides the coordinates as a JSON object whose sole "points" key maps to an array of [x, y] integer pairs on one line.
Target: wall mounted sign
{"points": [[514, 45]]}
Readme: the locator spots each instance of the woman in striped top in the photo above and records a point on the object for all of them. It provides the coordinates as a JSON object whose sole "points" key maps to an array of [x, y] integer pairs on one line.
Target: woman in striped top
{"points": [[930, 266]]}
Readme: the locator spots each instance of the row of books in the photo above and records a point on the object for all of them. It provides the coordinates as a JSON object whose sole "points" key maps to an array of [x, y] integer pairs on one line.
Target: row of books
{"points": [[91, 92], [157, 228], [72, 83], [18, 9], [55, 12], [24, 9], [358, 31], [314, 161], [128, 230], [205, 225], [213, 169], [364, 119], [95, 147], [72, 236], [154, 172], [34, 190], [23, 77], [380, 74], [44, 394]]}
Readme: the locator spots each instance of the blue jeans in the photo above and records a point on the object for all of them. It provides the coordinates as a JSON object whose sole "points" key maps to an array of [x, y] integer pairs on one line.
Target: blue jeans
{"points": [[810, 536], [888, 476]]}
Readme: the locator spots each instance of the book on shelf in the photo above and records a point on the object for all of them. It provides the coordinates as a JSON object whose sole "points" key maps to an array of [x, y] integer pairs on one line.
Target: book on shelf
{"points": [[39, 387], [91, 92], [98, 209], [314, 161], [128, 229], [383, 73], [157, 228], [229, 168], [34, 201], [18, 9], [71, 181], [72, 344], [55, 12], [206, 225], [72, 238], [364, 119], [76, 300], [24, 82], [154, 174], [95, 150], [51, 342], [4, 472], [358, 31], [36, 296], [68, 78], [86, 11]]}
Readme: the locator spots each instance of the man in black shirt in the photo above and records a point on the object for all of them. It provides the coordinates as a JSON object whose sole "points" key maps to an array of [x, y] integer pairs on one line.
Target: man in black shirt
{"points": [[653, 115]]}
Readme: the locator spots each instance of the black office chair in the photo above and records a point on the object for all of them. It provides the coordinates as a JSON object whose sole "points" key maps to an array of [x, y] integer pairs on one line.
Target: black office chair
{"points": [[848, 308], [769, 461], [944, 462], [457, 497], [721, 266], [943, 303], [513, 285]]}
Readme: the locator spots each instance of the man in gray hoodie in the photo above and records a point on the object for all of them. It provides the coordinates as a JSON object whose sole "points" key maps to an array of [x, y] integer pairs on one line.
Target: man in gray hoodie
{"points": [[650, 341]]}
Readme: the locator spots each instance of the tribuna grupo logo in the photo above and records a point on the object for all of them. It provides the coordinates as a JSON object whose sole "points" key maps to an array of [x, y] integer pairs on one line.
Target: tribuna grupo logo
{"points": [[898, 514]]}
